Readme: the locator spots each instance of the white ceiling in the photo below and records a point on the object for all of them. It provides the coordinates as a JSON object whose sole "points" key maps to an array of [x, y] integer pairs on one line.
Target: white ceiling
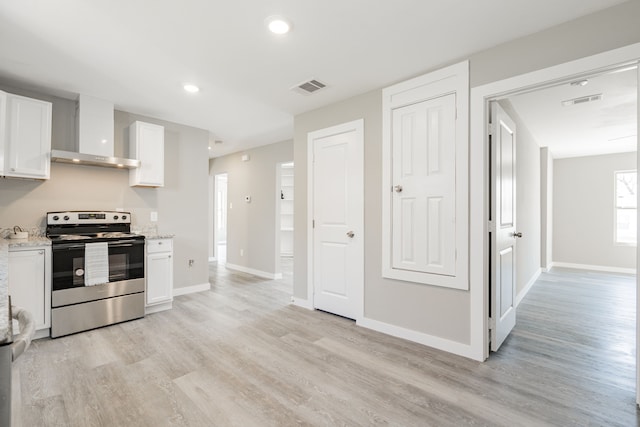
{"points": [[139, 53], [598, 127]]}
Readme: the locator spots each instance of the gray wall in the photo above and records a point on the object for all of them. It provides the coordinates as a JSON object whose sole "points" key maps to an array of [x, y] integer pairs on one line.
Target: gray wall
{"points": [[252, 226], [426, 309], [527, 201], [546, 208], [24, 202], [583, 214]]}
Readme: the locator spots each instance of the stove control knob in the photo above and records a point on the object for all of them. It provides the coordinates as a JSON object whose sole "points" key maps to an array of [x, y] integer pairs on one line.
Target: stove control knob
{"points": [[115, 217], [56, 217], [124, 217], [66, 218]]}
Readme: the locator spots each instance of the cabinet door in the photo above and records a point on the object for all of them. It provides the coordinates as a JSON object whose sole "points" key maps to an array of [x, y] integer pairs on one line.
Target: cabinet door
{"points": [[159, 277], [27, 285], [28, 144], [147, 145]]}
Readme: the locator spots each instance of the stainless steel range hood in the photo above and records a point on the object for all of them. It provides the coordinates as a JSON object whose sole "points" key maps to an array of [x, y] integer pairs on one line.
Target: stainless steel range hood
{"points": [[95, 137], [93, 160]]}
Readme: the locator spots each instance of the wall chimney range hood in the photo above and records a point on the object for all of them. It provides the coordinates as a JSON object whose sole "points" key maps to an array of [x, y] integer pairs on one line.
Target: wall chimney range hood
{"points": [[95, 137]]}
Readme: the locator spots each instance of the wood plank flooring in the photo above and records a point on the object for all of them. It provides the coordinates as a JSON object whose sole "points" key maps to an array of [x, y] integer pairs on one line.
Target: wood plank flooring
{"points": [[240, 355]]}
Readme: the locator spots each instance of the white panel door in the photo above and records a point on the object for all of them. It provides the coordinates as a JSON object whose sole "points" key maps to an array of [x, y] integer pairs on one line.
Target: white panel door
{"points": [[338, 259], [503, 228], [424, 190]]}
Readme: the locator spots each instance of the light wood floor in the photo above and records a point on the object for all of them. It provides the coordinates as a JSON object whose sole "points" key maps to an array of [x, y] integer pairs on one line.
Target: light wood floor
{"points": [[241, 355]]}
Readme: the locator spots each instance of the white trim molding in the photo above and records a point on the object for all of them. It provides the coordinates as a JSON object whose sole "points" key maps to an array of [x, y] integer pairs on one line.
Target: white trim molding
{"points": [[191, 289], [603, 268], [528, 286], [433, 341], [304, 303], [254, 272]]}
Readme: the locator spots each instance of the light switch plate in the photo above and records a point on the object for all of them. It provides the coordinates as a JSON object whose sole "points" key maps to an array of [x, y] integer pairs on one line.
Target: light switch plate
{"points": [[154, 216]]}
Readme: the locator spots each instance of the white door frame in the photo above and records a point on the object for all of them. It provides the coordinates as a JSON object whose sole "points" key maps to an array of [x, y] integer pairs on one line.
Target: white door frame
{"points": [[480, 97], [358, 127]]}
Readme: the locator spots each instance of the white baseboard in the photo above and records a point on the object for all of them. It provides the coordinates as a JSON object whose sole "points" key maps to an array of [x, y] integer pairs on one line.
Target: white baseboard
{"points": [[454, 347], [304, 303], [259, 273], [528, 286], [191, 289], [158, 307], [604, 268]]}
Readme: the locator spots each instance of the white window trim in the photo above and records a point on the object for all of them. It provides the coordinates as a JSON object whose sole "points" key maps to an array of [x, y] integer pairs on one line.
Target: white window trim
{"points": [[452, 79]]}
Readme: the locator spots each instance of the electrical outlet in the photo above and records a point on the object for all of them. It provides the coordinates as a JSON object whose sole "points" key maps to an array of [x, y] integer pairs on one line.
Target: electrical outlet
{"points": [[154, 216], [241, 252], [191, 262]]}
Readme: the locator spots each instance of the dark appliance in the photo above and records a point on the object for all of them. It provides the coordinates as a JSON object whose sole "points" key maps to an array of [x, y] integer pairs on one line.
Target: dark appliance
{"points": [[77, 304]]}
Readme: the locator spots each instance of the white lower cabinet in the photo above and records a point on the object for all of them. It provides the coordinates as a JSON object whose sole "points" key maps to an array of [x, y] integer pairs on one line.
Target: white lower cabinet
{"points": [[159, 275], [30, 285]]}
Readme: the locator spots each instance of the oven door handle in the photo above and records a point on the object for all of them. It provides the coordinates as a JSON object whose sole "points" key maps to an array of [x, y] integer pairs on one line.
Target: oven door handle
{"points": [[67, 247], [125, 243]]}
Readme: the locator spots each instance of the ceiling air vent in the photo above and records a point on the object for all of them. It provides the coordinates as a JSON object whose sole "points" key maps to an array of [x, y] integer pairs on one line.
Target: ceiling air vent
{"points": [[308, 87], [582, 100]]}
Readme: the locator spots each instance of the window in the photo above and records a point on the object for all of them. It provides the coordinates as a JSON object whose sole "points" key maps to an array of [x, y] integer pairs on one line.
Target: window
{"points": [[626, 207]]}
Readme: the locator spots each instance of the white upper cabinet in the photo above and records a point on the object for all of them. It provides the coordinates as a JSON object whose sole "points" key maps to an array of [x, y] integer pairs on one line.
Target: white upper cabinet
{"points": [[146, 143], [25, 137], [425, 179]]}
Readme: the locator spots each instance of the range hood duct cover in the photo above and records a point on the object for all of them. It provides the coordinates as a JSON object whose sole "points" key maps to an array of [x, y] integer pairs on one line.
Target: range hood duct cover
{"points": [[95, 137]]}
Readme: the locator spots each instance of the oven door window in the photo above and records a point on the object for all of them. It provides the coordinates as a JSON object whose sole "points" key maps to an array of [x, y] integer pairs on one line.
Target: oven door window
{"points": [[126, 261]]}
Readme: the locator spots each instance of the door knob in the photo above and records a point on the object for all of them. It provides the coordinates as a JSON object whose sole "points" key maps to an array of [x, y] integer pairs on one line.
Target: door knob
{"points": [[350, 234], [518, 235], [397, 188]]}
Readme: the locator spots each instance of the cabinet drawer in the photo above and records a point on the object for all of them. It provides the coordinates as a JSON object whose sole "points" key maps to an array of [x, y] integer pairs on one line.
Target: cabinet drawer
{"points": [[159, 245]]}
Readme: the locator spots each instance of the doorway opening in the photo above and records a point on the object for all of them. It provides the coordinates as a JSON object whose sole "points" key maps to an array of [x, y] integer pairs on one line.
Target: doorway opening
{"points": [[284, 228], [220, 218], [624, 120]]}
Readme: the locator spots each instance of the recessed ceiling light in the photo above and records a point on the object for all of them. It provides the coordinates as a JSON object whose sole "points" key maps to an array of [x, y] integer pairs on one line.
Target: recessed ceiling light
{"points": [[191, 88], [278, 25]]}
